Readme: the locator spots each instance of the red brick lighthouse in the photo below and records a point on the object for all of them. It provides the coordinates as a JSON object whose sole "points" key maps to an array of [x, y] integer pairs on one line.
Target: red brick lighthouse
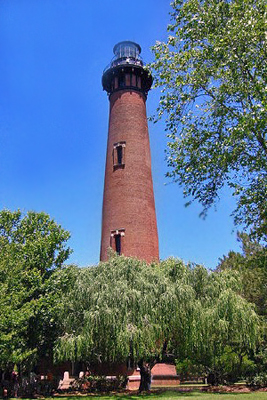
{"points": [[129, 223]]}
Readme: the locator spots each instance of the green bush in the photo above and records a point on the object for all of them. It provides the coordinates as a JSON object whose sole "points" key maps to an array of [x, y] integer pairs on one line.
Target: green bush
{"points": [[227, 367], [187, 369], [258, 380], [95, 383], [230, 368]]}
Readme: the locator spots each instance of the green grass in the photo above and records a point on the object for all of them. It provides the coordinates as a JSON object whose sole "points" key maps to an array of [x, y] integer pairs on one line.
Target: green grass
{"points": [[172, 395]]}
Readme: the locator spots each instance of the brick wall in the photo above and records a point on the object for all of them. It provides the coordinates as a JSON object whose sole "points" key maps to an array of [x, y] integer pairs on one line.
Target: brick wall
{"points": [[128, 201]]}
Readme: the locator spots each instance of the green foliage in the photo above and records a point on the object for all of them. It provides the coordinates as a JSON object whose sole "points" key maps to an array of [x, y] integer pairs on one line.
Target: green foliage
{"points": [[95, 383], [32, 250], [186, 369], [258, 380], [115, 310], [231, 367], [226, 367], [251, 264], [125, 309], [212, 71], [34, 239]]}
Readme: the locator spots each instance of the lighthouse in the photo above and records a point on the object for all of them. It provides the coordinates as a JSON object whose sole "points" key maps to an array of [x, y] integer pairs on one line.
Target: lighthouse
{"points": [[129, 224]]}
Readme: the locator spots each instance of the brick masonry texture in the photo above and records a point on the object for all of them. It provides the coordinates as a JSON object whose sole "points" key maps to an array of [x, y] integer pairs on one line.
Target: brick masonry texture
{"points": [[128, 201]]}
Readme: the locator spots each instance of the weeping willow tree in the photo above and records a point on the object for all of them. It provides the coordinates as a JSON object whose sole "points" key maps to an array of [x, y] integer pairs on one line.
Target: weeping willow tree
{"points": [[119, 309], [217, 317], [125, 309]]}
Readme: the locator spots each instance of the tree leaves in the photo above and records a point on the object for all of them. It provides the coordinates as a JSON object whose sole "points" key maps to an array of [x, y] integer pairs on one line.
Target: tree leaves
{"points": [[212, 71], [252, 268], [32, 250], [126, 309]]}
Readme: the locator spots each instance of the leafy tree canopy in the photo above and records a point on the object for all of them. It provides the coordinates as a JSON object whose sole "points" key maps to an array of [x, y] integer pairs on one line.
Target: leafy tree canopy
{"points": [[125, 309], [34, 239], [213, 75], [32, 251], [252, 265]]}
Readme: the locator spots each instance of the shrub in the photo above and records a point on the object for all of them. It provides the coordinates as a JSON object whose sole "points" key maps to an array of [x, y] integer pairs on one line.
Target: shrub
{"points": [[187, 369], [258, 380], [96, 383]]}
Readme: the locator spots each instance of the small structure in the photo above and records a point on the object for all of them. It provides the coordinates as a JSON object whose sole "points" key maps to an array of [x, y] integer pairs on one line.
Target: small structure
{"points": [[162, 375]]}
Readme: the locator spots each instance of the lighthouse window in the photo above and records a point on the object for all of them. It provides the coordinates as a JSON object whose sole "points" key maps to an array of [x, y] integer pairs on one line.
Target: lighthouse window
{"points": [[119, 155], [133, 80], [121, 80], [116, 84], [116, 240], [127, 79], [118, 244]]}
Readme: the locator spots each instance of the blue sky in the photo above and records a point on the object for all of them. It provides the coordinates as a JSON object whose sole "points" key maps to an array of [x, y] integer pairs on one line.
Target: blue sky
{"points": [[54, 123]]}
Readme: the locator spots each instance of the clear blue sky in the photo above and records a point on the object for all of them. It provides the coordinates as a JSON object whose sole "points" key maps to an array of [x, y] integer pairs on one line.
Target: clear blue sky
{"points": [[54, 123]]}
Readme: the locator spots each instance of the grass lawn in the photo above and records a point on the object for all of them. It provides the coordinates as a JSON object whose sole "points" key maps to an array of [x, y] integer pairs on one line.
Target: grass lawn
{"points": [[169, 395]]}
